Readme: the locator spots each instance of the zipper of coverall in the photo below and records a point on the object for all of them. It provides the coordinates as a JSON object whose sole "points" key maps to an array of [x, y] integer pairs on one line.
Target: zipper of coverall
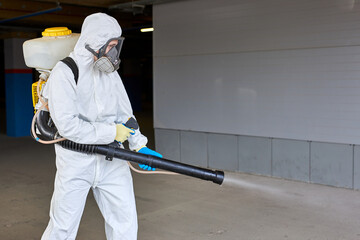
{"points": [[97, 164], [97, 172]]}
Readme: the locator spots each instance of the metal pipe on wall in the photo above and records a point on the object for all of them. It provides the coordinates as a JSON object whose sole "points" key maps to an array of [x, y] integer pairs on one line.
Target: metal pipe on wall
{"points": [[58, 8]]}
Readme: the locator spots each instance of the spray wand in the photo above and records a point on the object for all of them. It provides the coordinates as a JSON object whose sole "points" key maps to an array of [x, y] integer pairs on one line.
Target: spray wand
{"points": [[113, 150]]}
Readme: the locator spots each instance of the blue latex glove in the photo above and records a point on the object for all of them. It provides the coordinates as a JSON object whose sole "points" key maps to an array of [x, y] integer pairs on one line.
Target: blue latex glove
{"points": [[145, 150]]}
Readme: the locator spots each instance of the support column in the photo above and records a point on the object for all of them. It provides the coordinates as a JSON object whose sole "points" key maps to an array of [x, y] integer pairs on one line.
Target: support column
{"points": [[18, 80]]}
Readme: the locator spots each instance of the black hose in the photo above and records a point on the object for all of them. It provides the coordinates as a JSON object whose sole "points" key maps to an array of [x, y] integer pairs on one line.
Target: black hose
{"points": [[113, 150], [42, 122]]}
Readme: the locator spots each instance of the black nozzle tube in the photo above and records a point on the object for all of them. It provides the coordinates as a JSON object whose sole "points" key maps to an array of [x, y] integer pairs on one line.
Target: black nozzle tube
{"points": [[111, 151], [165, 164]]}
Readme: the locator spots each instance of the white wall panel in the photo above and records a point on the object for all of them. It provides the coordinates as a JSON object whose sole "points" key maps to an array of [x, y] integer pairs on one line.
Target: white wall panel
{"points": [[213, 26], [284, 69]]}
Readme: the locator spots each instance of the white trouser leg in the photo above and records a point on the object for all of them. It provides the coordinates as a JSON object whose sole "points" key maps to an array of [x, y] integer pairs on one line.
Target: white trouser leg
{"points": [[73, 180], [67, 206], [114, 195]]}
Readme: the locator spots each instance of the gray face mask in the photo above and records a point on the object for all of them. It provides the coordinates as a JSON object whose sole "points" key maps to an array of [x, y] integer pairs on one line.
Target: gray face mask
{"points": [[110, 61]]}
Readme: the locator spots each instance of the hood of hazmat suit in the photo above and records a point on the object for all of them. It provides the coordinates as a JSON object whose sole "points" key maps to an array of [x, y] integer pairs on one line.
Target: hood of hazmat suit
{"points": [[86, 113]]}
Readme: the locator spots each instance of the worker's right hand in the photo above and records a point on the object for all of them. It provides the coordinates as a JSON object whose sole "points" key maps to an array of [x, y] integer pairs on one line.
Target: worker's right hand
{"points": [[123, 133]]}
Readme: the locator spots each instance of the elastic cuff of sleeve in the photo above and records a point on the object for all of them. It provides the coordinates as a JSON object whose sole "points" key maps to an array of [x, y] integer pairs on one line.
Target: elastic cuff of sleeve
{"points": [[140, 148]]}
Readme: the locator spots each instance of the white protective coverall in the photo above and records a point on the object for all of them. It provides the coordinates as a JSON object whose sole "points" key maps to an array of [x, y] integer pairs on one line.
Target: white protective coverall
{"points": [[86, 113]]}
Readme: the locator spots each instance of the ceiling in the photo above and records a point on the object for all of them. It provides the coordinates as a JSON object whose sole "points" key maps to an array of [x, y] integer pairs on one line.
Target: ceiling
{"points": [[20, 18]]}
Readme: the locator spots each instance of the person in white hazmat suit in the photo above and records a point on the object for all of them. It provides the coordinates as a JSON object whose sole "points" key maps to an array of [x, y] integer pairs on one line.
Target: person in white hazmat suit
{"points": [[92, 111]]}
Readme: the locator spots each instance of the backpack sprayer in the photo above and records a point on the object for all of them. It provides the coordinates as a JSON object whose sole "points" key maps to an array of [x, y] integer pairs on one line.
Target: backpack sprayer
{"points": [[42, 54]]}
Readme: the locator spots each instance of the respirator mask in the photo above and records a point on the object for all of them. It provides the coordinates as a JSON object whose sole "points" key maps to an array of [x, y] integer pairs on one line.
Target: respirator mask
{"points": [[108, 61]]}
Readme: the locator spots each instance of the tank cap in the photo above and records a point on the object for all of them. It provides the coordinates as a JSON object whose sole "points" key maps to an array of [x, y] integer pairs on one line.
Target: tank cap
{"points": [[56, 31]]}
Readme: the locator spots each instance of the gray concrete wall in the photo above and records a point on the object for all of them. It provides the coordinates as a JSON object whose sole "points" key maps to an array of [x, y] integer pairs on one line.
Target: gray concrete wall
{"points": [[281, 69], [307, 161]]}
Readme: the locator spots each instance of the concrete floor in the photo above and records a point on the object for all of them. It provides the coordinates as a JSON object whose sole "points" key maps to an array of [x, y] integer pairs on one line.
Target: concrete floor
{"points": [[179, 207]]}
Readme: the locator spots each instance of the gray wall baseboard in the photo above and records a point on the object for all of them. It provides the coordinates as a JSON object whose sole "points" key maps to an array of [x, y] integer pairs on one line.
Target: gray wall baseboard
{"points": [[314, 162]]}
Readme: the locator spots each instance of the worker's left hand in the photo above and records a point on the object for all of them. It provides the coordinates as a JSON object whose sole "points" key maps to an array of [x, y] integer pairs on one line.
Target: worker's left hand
{"points": [[145, 150]]}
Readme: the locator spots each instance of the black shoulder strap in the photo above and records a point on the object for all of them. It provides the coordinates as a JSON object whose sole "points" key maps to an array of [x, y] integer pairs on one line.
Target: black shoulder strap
{"points": [[72, 65]]}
